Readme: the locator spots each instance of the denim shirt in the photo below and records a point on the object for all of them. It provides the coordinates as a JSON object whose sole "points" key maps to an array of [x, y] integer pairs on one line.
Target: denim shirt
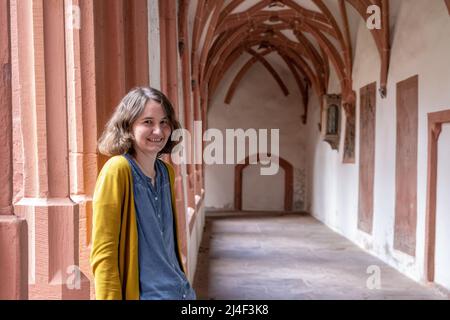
{"points": [[160, 274]]}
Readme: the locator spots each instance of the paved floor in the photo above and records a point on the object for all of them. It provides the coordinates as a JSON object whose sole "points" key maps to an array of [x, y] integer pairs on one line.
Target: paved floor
{"points": [[291, 256]]}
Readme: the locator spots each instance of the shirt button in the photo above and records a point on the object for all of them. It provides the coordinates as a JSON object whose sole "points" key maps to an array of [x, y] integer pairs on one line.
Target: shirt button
{"points": [[156, 198], [159, 216], [184, 296]]}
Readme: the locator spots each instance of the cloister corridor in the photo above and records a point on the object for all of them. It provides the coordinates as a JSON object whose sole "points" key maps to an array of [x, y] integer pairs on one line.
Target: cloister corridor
{"points": [[292, 256], [313, 162]]}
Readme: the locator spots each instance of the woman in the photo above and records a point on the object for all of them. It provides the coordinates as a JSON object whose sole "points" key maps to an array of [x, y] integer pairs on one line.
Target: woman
{"points": [[135, 248]]}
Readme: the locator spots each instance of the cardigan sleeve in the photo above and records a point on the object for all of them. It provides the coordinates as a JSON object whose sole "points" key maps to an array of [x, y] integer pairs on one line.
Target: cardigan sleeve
{"points": [[107, 212]]}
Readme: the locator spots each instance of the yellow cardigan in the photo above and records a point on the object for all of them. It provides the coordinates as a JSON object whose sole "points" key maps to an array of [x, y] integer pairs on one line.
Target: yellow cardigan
{"points": [[114, 252]]}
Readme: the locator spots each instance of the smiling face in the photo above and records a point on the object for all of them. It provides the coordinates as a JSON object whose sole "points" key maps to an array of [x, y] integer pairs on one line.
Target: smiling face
{"points": [[151, 130]]}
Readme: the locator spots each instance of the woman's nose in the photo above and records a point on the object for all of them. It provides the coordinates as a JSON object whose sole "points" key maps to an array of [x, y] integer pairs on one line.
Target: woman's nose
{"points": [[157, 129]]}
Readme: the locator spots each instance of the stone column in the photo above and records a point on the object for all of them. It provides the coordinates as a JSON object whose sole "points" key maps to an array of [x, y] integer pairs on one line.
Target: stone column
{"points": [[169, 86], [13, 230], [183, 45], [199, 146], [82, 121], [110, 65], [136, 42], [46, 204]]}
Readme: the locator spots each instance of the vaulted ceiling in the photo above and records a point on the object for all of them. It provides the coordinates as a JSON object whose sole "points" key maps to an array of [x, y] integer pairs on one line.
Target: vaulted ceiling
{"points": [[311, 36]]}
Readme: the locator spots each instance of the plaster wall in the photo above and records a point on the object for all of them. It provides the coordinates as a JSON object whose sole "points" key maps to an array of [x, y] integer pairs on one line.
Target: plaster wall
{"points": [[258, 103], [442, 258], [420, 44]]}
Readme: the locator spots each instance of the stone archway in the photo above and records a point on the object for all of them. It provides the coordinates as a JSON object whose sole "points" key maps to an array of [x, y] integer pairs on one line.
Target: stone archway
{"points": [[288, 183]]}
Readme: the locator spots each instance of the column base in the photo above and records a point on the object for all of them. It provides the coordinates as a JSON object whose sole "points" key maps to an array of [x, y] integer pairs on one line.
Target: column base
{"points": [[85, 226], [13, 258], [78, 287], [53, 238]]}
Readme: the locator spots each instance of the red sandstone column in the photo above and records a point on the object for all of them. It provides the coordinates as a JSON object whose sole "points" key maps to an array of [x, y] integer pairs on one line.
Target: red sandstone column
{"points": [[186, 83], [136, 42], [110, 52], [51, 215], [13, 230], [198, 117], [82, 121], [169, 85]]}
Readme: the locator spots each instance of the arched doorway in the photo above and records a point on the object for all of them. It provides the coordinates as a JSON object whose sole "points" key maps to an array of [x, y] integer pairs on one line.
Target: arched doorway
{"points": [[437, 258], [288, 183]]}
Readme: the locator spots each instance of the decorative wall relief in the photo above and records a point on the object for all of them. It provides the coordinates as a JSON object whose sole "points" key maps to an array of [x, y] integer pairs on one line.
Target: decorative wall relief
{"points": [[406, 166], [367, 122], [350, 128]]}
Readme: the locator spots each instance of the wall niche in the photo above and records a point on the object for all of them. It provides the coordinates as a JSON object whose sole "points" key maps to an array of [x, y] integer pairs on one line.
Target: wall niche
{"points": [[331, 115]]}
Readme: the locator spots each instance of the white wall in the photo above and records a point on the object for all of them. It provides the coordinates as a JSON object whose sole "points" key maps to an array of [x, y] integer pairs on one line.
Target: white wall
{"points": [[420, 45], [271, 198], [442, 258], [258, 103]]}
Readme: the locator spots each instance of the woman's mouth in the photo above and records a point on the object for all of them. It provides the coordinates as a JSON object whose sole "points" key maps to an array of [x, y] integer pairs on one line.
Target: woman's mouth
{"points": [[156, 140]]}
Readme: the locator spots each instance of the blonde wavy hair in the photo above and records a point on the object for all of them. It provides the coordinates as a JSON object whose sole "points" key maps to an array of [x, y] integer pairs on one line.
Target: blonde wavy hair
{"points": [[117, 138]]}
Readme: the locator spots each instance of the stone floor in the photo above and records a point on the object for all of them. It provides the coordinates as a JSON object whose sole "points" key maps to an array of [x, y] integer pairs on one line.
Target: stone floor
{"points": [[290, 256]]}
